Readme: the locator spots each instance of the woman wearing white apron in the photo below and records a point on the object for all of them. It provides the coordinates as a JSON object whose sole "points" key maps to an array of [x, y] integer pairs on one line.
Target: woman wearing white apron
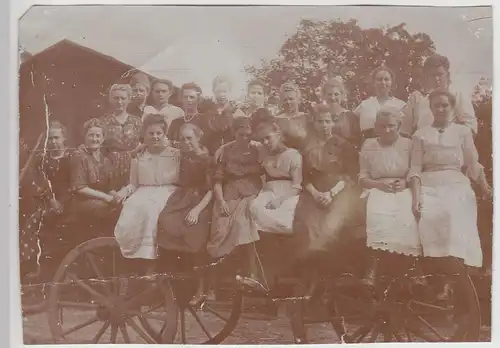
{"points": [[153, 178], [274, 207]]}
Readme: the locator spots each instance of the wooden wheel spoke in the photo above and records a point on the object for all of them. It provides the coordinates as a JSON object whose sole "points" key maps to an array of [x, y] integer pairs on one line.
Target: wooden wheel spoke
{"points": [[140, 331], [82, 305], [431, 328], [398, 337], [198, 320], [360, 333], [183, 326], [408, 335], [418, 332], [114, 333], [375, 332], [101, 332], [97, 271], [98, 296], [209, 309], [124, 332], [80, 326], [429, 306], [153, 316]]}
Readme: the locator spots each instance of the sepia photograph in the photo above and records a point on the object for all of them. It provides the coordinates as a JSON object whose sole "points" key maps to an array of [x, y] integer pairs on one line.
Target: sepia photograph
{"points": [[255, 174]]}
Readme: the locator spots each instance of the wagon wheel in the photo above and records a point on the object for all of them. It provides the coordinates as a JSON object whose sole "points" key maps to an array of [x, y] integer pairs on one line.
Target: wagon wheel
{"points": [[210, 321], [89, 301], [406, 312]]}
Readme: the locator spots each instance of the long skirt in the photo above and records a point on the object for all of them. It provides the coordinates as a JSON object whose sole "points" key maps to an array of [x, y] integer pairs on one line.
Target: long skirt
{"points": [[448, 223], [228, 232], [136, 229], [279, 220], [318, 228], [173, 231], [390, 223]]}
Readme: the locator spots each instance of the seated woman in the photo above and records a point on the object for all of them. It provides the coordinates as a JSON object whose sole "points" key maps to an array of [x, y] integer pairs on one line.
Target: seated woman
{"points": [[328, 203], [184, 223], [237, 181], [384, 165], [51, 180], [443, 199], [274, 207], [154, 175], [91, 178]]}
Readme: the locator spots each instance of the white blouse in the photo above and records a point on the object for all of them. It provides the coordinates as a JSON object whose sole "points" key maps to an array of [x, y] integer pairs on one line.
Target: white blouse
{"points": [[368, 108]]}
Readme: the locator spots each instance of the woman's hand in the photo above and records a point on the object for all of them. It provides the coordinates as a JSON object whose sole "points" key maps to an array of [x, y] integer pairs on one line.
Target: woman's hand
{"points": [[323, 198], [254, 143], [417, 208], [220, 153], [274, 204], [224, 207], [385, 187], [399, 185], [56, 206], [192, 217], [487, 192], [139, 149]]}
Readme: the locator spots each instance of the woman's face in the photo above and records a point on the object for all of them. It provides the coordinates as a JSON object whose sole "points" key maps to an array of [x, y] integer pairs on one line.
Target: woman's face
{"points": [[290, 101], [256, 95], [387, 126], [437, 77], [139, 93], [94, 138], [383, 83], [243, 135], [441, 108], [323, 124], [189, 99], [333, 95], [56, 140], [154, 135], [271, 139], [221, 92], [189, 139], [161, 93], [119, 100]]}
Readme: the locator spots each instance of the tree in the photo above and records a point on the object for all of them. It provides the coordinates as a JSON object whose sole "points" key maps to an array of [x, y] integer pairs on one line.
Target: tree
{"points": [[322, 49]]}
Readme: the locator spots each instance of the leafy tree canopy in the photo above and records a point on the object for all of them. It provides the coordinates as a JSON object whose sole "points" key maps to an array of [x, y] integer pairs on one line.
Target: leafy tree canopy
{"points": [[323, 49]]}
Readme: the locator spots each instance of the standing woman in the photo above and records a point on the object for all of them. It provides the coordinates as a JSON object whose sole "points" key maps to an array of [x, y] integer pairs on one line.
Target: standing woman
{"points": [[334, 95], [154, 176], [384, 165], [122, 134], [293, 123], [417, 111], [140, 91], [383, 80], [443, 199], [256, 99], [161, 91]]}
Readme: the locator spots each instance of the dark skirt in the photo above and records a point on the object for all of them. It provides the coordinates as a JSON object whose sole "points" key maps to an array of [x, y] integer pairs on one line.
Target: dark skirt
{"points": [[173, 232]]}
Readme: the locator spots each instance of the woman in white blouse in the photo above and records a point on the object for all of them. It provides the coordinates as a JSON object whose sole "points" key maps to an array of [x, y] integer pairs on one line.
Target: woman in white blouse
{"points": [[443, 199], [418, 114], [153, 178], [383, 80]]}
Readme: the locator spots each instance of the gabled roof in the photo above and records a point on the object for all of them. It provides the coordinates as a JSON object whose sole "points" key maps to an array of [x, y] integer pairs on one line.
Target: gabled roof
{"points": [[65, 42]]}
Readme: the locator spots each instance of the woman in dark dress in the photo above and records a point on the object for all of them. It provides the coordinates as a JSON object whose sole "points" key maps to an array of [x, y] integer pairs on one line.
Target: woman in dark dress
{"points": [[51, 183], [184, 223]]}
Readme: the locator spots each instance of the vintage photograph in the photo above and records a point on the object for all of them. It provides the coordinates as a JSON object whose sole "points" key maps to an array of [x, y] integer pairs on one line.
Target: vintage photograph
{"points": [[255, 174]]}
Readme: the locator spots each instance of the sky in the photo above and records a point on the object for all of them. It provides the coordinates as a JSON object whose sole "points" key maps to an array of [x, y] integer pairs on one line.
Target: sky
{"points": [[198, 43]]}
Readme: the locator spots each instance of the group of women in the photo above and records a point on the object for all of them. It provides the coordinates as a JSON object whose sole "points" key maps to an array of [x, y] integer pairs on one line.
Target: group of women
{"points": [[212, 182]]}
